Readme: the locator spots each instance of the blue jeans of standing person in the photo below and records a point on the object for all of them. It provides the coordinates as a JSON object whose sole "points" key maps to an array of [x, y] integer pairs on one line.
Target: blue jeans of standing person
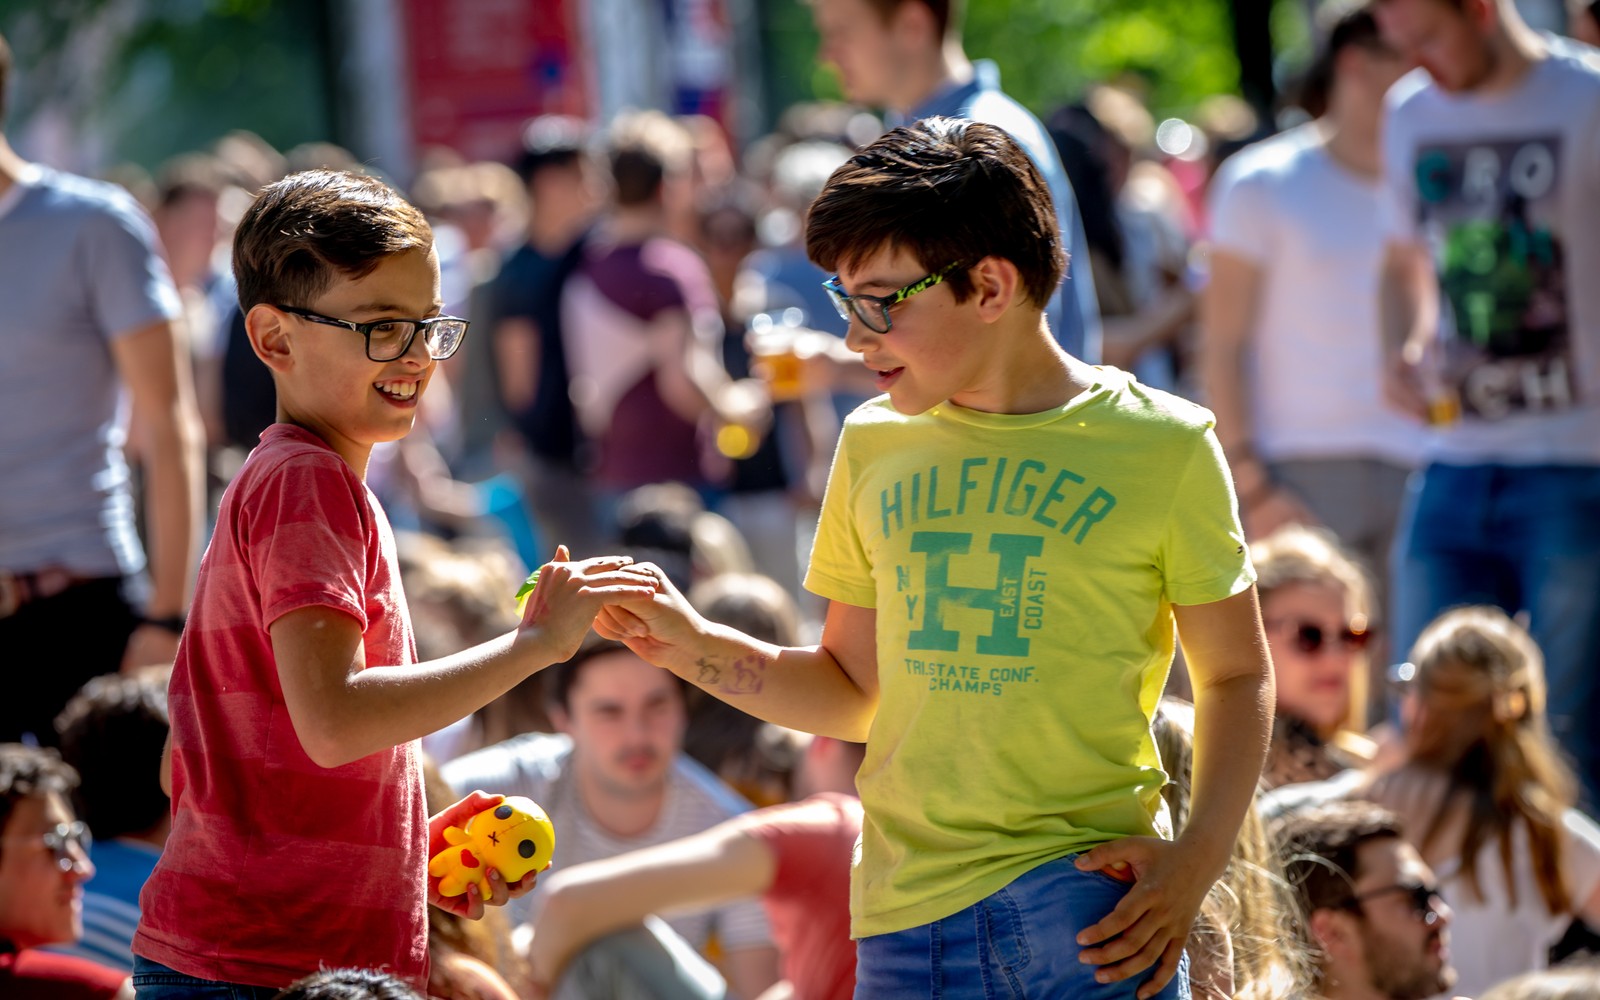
{"points": [[154, 981], [1018, 944], [1524, 538]]}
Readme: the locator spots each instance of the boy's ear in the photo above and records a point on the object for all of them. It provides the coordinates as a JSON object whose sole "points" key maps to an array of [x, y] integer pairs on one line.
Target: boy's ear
{"points": [[996, 282], [268, 331]]}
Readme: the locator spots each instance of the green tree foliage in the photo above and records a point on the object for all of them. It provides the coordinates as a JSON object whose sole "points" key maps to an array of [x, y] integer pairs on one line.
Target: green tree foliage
{"points": [[1049, 50], [151, 79]]}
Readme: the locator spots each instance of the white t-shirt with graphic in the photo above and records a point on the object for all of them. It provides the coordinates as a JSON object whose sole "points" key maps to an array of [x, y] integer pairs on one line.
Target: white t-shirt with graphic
{"points": [[1504, 189], [1314, 367]]}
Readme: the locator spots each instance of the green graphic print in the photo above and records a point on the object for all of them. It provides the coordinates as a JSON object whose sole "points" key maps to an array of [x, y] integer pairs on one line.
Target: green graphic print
{"points": [[1491, 212]]}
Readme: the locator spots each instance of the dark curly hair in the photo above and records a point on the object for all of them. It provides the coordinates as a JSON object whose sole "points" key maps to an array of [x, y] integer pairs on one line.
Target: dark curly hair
{"points": [[112, 732], [349, 984], [29, 771]]}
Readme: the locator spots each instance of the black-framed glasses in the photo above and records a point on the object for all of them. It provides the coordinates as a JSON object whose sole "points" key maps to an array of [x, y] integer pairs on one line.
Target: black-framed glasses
{"points": [[390, 339], [59, 840], [873, 310], [1421, 897], [1309, 637]]}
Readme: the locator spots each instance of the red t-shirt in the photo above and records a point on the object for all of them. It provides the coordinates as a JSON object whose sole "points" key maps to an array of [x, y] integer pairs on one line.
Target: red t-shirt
{"points": [[277, 867], [809, 902], [43, 975]]}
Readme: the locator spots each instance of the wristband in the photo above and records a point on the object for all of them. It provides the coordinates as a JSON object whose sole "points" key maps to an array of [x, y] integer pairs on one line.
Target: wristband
{"points": [[167, 623]]}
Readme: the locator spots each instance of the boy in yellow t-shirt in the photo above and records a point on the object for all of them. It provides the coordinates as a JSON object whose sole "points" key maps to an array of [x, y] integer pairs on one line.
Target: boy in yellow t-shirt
{"points": [[1007, 540]]}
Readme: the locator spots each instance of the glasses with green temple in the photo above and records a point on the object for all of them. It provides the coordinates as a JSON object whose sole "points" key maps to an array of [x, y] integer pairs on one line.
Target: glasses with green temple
{"points": [[873, 310]]}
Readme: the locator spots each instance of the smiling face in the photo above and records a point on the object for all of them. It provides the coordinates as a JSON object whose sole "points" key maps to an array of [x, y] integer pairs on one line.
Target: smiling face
{"points": [[1313, 684], [626, 719], [936, 349], [328, 385], [39, 903]]}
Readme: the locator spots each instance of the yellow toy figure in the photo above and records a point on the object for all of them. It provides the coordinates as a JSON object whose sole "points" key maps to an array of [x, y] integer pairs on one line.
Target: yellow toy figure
{"points": [[514, 838]]}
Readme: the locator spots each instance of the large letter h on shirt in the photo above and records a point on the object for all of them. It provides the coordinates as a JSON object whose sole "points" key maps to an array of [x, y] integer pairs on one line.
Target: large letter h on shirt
{"points": [[1001, 600]]}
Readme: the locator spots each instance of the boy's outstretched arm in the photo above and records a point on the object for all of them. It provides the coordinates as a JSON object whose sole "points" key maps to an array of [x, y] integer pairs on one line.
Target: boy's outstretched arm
{"points": [[343, 711], [1233, 696], [830, 689]]}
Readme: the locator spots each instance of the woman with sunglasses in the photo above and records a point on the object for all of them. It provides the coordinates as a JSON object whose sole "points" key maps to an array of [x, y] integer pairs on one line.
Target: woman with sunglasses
{"points": [[1314, 602], [1487, 799]]}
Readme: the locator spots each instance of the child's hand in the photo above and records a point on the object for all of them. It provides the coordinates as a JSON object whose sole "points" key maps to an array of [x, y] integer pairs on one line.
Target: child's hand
{"points": [[570, 594], [653, 629], [1151, 923], [470, 903]]}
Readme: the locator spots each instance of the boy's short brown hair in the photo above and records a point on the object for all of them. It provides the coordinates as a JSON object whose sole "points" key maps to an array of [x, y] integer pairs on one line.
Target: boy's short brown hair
{"points": [[951, 192], [306, 229]]}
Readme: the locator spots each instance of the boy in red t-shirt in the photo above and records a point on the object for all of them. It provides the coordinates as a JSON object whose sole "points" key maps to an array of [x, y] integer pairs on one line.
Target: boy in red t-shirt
{"points": [[299, 839]]}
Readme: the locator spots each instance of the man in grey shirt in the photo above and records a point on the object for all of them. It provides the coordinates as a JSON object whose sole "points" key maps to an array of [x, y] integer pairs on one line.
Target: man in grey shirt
{"points": [[615, 780], [92, 352], [906, 56]]}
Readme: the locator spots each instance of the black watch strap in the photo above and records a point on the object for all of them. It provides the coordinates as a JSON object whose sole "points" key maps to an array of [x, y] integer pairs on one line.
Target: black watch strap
{"points": [[169, 623]]}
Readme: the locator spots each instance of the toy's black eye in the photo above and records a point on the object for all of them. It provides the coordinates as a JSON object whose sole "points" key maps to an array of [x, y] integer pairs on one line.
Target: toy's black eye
{"points": [[504, 812], [526, 848]]}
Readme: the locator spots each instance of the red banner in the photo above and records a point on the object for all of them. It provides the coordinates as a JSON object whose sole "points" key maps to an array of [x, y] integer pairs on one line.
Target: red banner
{"points": [[479, 69]]}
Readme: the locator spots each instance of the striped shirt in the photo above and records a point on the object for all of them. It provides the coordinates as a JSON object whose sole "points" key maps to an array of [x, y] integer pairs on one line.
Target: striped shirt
{"points": [[277, 867]]}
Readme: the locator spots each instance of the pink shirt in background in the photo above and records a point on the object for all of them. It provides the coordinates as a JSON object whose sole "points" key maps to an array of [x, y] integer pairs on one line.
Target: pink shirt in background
{"points": [[809, 902], [277, 867]]}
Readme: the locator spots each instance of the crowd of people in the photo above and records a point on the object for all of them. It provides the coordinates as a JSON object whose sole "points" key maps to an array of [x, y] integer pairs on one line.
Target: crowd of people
{"points": [[977, 555]]}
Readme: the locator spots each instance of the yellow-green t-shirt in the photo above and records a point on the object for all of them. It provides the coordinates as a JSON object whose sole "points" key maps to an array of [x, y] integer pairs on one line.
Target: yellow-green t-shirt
{"points": [[1023, 568]]}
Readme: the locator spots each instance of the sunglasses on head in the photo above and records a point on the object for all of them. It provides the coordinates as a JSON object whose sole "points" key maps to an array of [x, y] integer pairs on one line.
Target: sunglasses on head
{"points": [[1309, 637], [1421, 898]]}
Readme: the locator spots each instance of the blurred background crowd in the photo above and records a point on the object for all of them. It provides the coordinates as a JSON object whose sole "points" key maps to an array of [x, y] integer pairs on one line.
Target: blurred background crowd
{"points": [[673, 388]]}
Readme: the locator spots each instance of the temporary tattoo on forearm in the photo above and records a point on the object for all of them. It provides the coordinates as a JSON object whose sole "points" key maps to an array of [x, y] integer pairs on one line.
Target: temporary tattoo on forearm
{"points": [[744, 675]]}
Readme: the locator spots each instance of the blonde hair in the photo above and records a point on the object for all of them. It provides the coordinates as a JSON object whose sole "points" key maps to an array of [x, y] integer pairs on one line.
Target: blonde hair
{"points": [[1514, 770], [1252, 902], [1298, 555]]}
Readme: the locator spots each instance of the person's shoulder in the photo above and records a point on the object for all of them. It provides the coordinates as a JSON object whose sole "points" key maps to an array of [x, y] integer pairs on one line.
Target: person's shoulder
{"points": [[85, 205], [74, 193], [1576, 65], [1413, 94], [669, 258], [290, 458], [705, 790], [69, 976], [1155, 410], [1270, 158]]}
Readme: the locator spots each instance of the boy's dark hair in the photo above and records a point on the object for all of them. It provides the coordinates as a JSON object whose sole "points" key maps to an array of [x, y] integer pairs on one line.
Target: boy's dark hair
{"points": [[949, 191], [313, 226], [112, 733], [1320, 845], [5, 75], [551, 141], [1342, 24], [564, 676], [29, 771], [349, 984]]}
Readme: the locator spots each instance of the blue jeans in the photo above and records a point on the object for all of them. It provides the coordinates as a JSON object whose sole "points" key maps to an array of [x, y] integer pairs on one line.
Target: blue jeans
{"points": [[1525, 538], [154, 981], [1018, 944]]}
